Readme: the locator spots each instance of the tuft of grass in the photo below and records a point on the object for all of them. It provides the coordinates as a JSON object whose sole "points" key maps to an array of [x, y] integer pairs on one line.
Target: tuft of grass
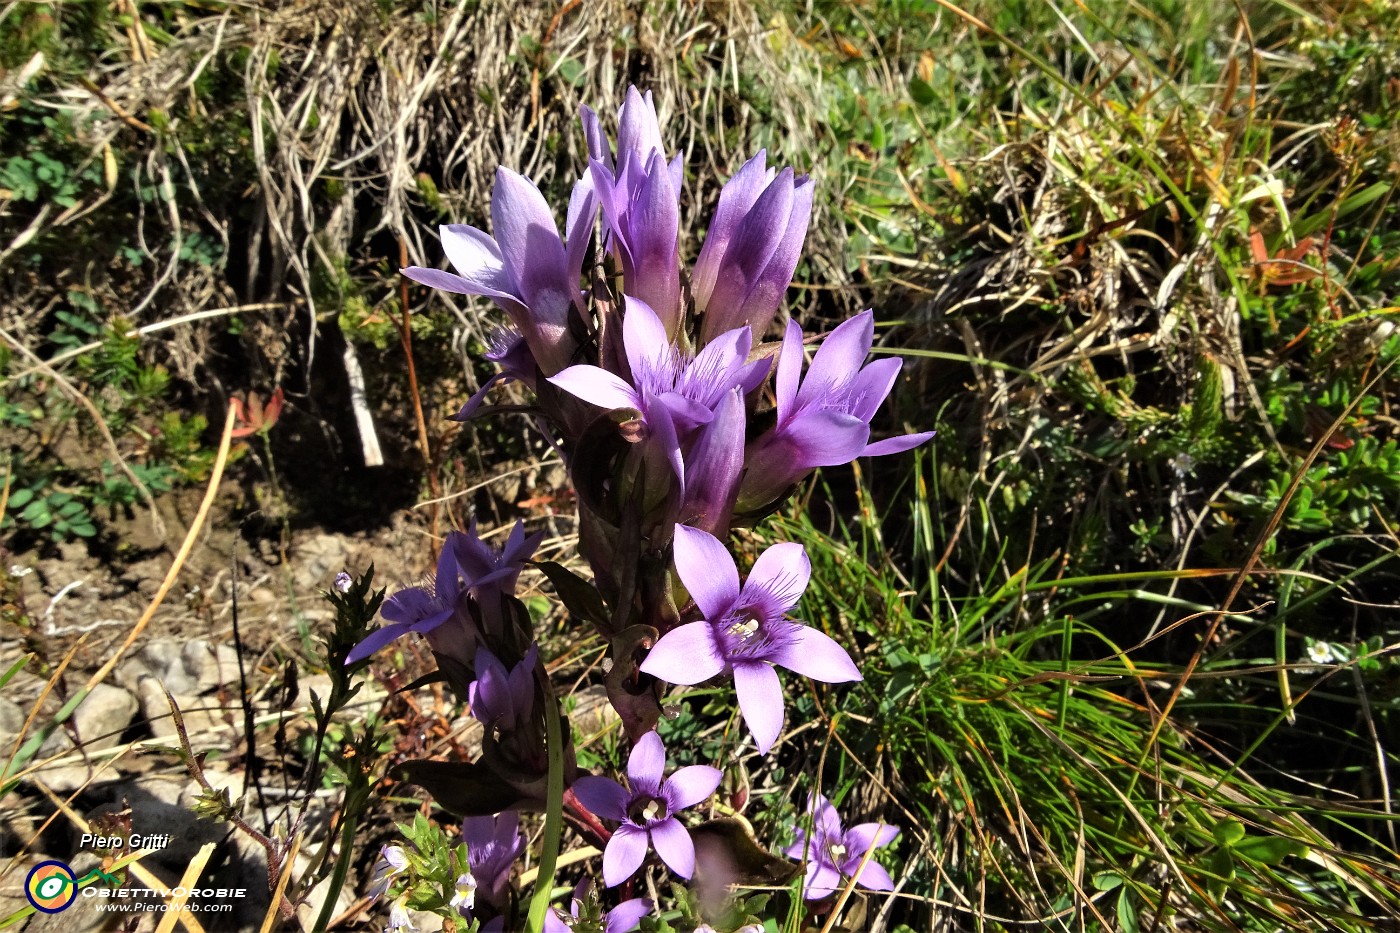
{"points": [[1016, 742]]}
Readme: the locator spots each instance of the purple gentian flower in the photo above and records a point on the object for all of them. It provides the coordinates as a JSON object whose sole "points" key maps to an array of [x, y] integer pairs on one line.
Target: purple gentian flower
{"points": [[484, 566], [493, 845], [416, 608], [392, 861], [502, 699], [752, 248], [343, 582], [648, 811], [621, 919], [640, 199], [743, 630], [824, 418], [832, 853], [689, 387], [525, 268], [713, 466], [506, 348]]}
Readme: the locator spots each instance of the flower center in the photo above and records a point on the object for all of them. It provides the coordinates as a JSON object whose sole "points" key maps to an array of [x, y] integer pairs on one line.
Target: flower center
{"points": [[647, 810], [744, 629], [750, 634], [838, 852]]}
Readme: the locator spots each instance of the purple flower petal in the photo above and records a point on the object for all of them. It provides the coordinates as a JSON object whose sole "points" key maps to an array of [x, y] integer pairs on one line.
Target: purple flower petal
{"points": [[676, 169], [477, 258], [626, 916], [871, 386], [409, 605], [688, 786], [826, 820], [648, 347], [707, 571], [790, 359], [597, 387], [603, 796], [472, 404], [873, 876], [612, 198], [645, 765], [747, 255], [782, 571], [767, 292], [376, 640], [447, 282], [578, 223], [624, 854], [685, 655], [638, 131], [821, 880], [715, 464], [662, 426], [799, 848], [521, 681], [896, 445], [674, 845], [869, 836], [840, 356], [816, 655], [685, 413], [718, 368], [594, 136], [531, 251], [735, 200], [824, 438], [760, 702], [654, 222]]}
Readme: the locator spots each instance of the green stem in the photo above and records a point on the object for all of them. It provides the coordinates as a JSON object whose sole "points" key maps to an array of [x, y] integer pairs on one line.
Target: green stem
{"points": [[342, 866], [553, 819]]}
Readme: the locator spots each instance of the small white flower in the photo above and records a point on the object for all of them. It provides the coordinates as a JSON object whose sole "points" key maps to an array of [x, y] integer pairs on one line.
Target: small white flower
{"points": [[1182, 463], [19, 572], [343, 582], [1320, 652], [465, 898], [399, 921], [392, 861]]}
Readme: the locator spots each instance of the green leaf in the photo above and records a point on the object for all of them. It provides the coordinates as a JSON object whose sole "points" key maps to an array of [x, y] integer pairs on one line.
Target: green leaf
{"points": [[571, 70], [1107, 880], [922, 91], [1228, 832], [21, 497], [577, 594], [1127, 913], [1269, 850]]}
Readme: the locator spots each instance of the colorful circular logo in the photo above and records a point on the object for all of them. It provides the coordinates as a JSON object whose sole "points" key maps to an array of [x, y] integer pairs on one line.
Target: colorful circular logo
{"points": [[51, 886]]}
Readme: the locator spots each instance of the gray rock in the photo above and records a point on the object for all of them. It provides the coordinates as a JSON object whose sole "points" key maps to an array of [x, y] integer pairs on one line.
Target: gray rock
{"points": [[318, 559], [206, 722], [11, 722], [363, 704], [186, 668], [309, 909], [100, 719]]}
